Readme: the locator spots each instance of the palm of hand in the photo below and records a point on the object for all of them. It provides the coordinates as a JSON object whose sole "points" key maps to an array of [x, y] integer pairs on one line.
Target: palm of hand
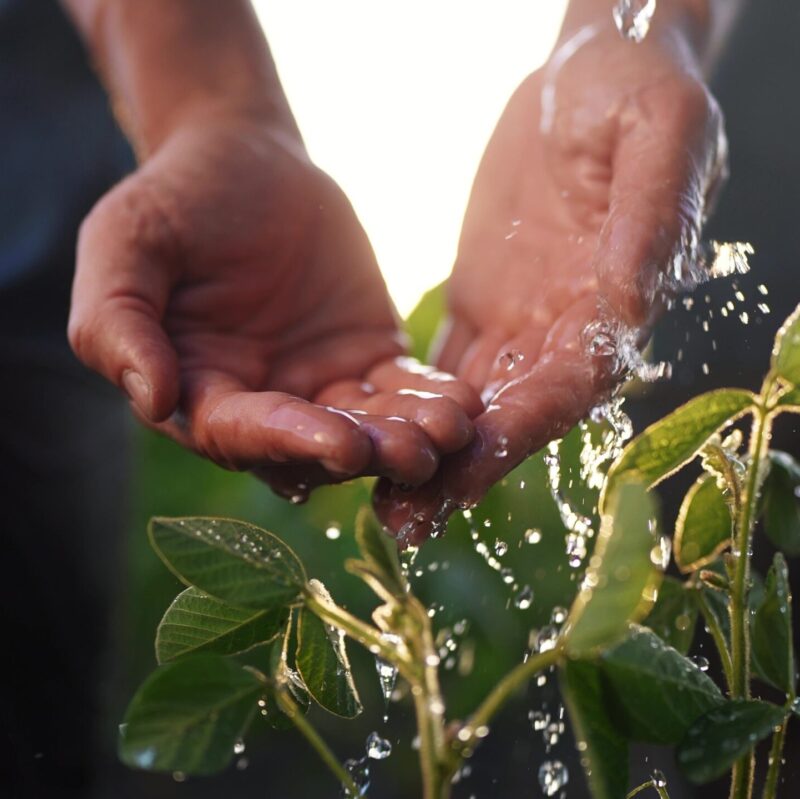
{"points": [[588, 197], [266, 297]]}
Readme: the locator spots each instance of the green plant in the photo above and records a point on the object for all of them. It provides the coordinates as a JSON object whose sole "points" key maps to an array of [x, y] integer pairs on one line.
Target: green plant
{"points": [[620, 653]]}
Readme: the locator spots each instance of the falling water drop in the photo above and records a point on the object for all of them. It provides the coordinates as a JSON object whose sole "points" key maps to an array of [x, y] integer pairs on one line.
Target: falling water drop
{"points": [[633, 18], [553, 776], [378, 748], [524, 599]]}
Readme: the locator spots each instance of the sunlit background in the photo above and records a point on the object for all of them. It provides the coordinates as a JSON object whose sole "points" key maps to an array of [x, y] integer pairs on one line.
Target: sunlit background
{"points": [[397, 101]]}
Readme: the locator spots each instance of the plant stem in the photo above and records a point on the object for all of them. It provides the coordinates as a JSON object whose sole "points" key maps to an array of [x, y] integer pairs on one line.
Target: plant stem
{"points": [[312, 736], [775, 758], [515, 679], [365, 634], [435, 760], [718, 636], [742, 778]]}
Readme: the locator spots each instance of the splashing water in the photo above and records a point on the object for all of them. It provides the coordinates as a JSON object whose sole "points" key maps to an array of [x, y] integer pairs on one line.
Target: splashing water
{"points": [[553, 776], [594, 457], [358, 769], [633, 18], [387, 674], [579, 527]]}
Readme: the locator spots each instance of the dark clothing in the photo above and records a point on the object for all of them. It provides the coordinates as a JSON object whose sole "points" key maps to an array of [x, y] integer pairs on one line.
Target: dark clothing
{"points": [[63, 436]]}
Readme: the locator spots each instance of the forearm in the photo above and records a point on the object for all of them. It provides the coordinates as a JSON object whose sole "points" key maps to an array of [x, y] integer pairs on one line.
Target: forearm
{"points": [[167, 63], [704, 24]]}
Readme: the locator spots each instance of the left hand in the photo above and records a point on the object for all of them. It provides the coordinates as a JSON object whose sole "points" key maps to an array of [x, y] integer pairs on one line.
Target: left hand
{"points": [[586, 208]]}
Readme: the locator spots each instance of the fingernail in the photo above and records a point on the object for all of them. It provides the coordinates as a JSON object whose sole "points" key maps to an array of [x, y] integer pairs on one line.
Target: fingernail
{"points": [[137, 389]]}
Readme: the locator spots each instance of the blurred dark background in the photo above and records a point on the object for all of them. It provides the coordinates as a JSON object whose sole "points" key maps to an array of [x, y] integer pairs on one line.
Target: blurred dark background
{"points": [[95, 573]]}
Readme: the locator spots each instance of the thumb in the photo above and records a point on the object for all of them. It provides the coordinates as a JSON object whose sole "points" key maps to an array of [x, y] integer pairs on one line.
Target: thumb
{"points": [[125, 260]]}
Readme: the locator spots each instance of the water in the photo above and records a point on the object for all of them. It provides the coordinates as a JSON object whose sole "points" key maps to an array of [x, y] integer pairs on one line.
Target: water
{"points": [[387, 674], [378, 748], [553, 776], [524, 599], [633, 18]]}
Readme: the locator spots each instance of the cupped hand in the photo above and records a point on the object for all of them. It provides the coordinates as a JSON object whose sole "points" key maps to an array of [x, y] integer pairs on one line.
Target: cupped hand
{"points": [[229, 289], [584, 214]]}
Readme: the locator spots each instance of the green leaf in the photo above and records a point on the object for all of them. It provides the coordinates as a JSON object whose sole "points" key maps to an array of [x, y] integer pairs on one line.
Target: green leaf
{"points": [[604, 751], [658, 693], [704, 526], [230, 560], [790, 401], [781, 506], [188, 715], [786, 352], [196, 623], [723, 735], [322, 661], [674, 616], [424, 321], [665, 446], [773, 648], [380, 556], [621, 580]]}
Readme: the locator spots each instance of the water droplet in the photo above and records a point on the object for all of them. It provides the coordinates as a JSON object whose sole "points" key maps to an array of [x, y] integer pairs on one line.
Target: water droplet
{"points": [[502, 447], [532, 536], [524, 599], [553, 776], [359, 773], [546, 638], [700, 662], [238, 747], [730, 258], [387, 672], [500, 548], [559, 615], [510, 359], [658, 778], [378, 748], [179, 776], [333, 531]]}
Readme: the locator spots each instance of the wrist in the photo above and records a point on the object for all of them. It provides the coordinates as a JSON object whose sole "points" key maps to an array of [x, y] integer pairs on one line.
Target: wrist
{"points": [[689, 21]]}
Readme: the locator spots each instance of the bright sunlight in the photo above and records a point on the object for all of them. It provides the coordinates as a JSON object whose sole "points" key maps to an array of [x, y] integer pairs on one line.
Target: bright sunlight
{"points": [[397, 101]]}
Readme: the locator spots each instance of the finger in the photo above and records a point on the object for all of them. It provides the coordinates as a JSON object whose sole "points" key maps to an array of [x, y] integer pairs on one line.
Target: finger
{"points": [[444, 421], [662, 165], [242, 429], [408, 373], [479, 359], [451, 342], [401, 450], [537, 407], [124, 272]]}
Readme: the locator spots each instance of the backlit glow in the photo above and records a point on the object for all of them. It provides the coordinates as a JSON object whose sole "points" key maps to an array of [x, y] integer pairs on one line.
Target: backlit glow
{"points": [[397, 101]]}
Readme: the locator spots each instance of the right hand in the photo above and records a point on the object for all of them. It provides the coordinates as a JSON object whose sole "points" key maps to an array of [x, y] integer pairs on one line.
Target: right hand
{"points": [[228, 287]]}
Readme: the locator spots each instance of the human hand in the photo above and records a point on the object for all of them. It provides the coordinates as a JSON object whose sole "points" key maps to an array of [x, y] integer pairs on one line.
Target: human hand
{"points": [[585, 213], [227, 285]]}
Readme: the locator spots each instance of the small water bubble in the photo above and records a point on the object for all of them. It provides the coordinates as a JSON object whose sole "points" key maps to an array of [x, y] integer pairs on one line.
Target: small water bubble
{"points": [[532, 536], [378, 748], [546, 638], [359, 773], [510, 359], [633, 18], [333, 532], [658, 778], [559, 615], [538, 719], [524, 599], [553, 776], [700, 662]]}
